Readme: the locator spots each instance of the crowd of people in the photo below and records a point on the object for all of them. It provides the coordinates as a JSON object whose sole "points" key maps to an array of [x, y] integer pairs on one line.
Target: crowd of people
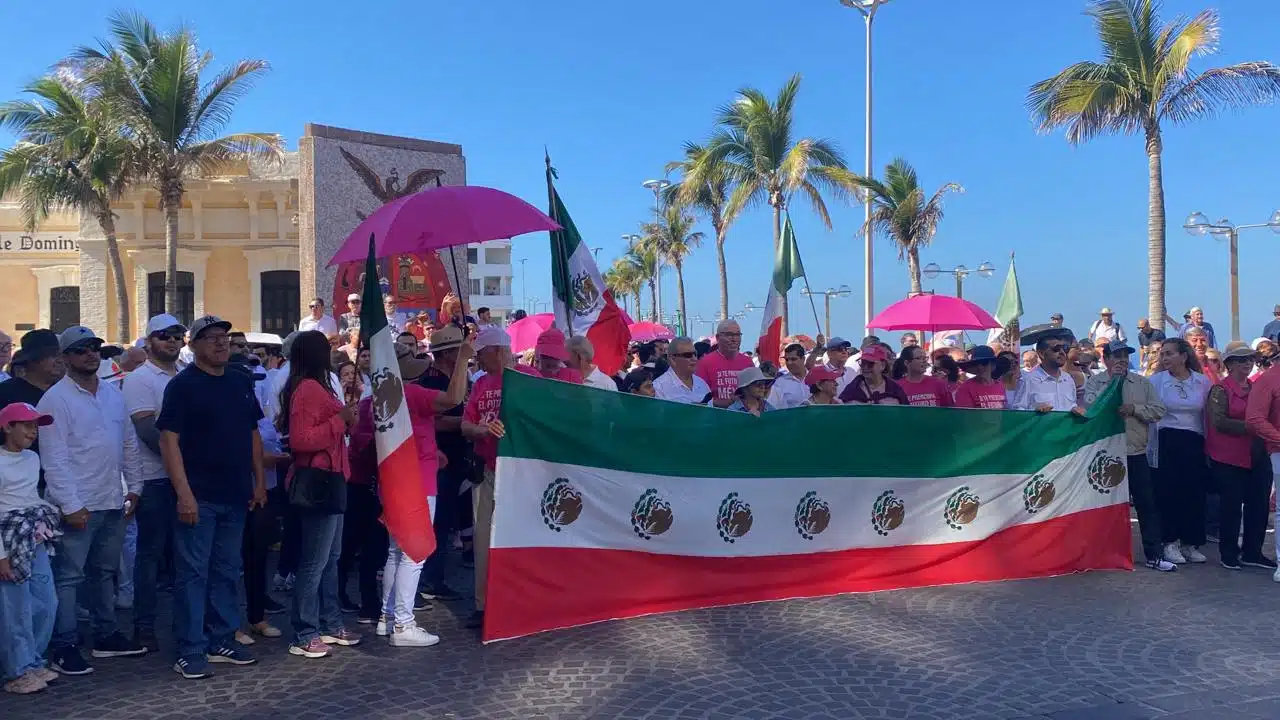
{"points": [[179, 465]]}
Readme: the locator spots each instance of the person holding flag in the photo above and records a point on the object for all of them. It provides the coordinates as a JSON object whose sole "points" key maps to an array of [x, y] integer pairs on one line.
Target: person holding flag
{"points": [[786, 268]]}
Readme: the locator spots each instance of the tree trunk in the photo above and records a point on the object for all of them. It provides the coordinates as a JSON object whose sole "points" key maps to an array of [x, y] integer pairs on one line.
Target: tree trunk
{"points": [[653, 300], [684, 315], [637, 315], [1155, 230], [913, 269], [776, 202], [171, 202], [108, 224], [717, 224]]}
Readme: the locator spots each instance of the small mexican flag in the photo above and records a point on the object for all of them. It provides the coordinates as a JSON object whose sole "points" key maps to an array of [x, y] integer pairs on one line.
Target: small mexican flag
{"points": [[786, 268], [405, 511], [583, 306]]}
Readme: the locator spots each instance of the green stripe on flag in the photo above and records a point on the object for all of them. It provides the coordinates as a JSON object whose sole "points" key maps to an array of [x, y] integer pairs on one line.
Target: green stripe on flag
{"points": [[560, 422], [373, 317]]}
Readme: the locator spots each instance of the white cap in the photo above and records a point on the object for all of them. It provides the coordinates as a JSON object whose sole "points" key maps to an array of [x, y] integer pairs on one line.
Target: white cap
{"points": [[353, 296], [490, 336], [162, 322], [1105, 311]]}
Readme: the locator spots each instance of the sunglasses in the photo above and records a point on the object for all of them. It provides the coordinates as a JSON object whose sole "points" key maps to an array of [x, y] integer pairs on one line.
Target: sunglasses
{"points": [[1055, 348], [313, 307], [83, 350], [731, 334], [685, 355], [170, 336]]}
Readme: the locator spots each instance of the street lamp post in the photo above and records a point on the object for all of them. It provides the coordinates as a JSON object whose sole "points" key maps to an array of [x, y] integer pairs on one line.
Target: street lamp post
{"points": [[524, 287], [985, 270], [631, 239], [827, 294], [657, 186], [868, 9], [1197, 224]]}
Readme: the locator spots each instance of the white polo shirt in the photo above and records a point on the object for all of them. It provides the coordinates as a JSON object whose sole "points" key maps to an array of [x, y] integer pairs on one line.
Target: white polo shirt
{"points": [[788, 391], [325, 325], [144, 392], [598, 379], [669, 386], [1041, 388]]}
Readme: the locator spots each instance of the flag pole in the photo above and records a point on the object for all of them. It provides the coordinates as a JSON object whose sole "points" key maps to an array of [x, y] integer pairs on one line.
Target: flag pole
{"points": [[817, 323], [558, 260]]}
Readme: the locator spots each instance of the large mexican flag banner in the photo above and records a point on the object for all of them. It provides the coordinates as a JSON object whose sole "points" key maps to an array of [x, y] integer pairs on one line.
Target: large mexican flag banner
{"points": [[613, 506]]}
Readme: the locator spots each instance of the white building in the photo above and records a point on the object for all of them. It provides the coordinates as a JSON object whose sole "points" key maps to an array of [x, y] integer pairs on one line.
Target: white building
{"points": [[490, 277]]}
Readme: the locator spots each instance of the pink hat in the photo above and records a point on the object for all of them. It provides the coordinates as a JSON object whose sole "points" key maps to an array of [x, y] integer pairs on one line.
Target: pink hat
{"points": [[874, 352], [818, 374], [22, 412], [551, 344]]}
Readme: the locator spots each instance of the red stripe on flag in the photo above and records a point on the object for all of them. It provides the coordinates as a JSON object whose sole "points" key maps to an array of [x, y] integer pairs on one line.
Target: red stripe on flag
{"points": [[537, 589], [405, 510], [609, 337], [770, 343]]}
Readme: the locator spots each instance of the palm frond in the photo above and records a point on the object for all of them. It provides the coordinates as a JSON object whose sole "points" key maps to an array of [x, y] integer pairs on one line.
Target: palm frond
{"points": [[1232, 87]]}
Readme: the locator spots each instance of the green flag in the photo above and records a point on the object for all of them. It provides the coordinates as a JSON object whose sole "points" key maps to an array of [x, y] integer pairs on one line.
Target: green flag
{"points": [[786, 265], [1010, 306]]}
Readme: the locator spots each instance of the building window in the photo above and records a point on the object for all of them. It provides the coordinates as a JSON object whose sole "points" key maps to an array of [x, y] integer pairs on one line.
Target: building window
{"points": [[281, 301], [186, 310], [497, 256], [475, 285], [473, 256], [493, 286], [64, 307]]}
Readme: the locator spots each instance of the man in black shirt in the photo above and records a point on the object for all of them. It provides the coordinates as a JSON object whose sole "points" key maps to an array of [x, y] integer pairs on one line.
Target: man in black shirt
{"points": [[457, 451], [41, 366], [1146, 336]]}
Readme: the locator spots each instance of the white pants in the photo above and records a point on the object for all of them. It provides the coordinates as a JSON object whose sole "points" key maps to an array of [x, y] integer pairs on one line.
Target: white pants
{"points": [[400, 580]]}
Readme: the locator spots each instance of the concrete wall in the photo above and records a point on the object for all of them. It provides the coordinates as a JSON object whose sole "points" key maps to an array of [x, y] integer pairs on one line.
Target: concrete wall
{"points": [[21, 304]]}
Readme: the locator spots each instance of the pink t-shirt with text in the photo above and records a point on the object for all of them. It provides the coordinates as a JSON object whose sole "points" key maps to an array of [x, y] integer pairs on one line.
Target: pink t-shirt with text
{"points": [[988, 395], [422, 415], [721, 373], [484, 405], [929, 392]]}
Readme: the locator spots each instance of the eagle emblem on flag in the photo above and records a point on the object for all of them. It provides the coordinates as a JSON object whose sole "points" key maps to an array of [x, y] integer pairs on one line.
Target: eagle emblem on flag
{"points": [[887, 513], [734, 519], [651, 515], [961, 508], [813, 515], [585, 294], [388, 393], [1038, 493], [561, 504], [1106, 472]]}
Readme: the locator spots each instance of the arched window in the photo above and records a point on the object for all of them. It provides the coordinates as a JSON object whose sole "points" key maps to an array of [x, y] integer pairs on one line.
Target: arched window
{"points": [[64, 307], [186, 310], [281, 301]]}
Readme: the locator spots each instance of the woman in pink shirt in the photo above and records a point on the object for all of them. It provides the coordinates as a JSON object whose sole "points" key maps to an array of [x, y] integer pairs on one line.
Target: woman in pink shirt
{"points": [[1243, 475], [982, 390], [921, 390]]}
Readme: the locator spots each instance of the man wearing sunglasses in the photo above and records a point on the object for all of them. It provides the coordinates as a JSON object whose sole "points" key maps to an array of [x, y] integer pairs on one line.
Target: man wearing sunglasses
{"points": [[157, 508], [1048, 388], [92, 445], [681, 383], [350, 320], [318, 320], [719, 369]]}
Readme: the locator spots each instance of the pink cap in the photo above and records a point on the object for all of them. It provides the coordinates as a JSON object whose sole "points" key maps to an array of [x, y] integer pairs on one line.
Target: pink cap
{"points": [[23, 412], [874, 352], [551, 344], [820, 373]]}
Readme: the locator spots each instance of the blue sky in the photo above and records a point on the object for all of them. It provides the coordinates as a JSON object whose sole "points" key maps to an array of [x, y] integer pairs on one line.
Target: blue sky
{"points": [[614, 89]]}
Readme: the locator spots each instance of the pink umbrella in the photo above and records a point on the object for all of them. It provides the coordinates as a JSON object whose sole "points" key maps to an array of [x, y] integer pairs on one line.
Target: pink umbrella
{"points": [[525, 331], [442, 217], [648, 331], [934, 313]]}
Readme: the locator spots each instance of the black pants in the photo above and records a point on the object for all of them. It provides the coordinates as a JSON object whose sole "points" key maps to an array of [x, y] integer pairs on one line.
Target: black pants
{"points": [[291, 537], [260, 530], [1142, 492], [446, 520], [1246, 494], [1180, 483], [364, 547]]}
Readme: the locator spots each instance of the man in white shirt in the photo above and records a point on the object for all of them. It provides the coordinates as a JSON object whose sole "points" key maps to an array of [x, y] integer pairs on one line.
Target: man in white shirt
{"points": [[581, 353], [90, 444], [317, 320], [789, 388], [395, 319], [838, 352], [1048, 388], [1105, 328], [679, 383], [157, 507]]}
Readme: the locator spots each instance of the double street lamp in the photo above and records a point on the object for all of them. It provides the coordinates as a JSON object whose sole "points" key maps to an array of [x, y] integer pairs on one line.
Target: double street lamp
{"points": [[657, 186], [1198, 224], [985, 270], [827, 294]]}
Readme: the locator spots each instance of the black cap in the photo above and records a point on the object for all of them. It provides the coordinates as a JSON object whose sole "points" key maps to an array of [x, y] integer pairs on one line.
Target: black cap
{"points": [[39, 344]]}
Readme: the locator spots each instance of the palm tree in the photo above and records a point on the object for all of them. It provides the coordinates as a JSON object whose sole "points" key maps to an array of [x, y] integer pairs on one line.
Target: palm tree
{"points": [[174, 119], [622, 279], [672, 239], [70, 156], [899, 209], [1142, 81], [641, 259], [709, 198], [755, 149]]}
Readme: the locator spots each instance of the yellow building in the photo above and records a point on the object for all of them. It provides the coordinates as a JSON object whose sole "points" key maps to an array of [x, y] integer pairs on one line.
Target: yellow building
{"points": [[237, 258]]}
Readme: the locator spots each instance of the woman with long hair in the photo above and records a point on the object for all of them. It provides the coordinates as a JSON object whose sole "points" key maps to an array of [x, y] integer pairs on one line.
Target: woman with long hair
{"points": [[984, 390], [943, 366], [314, 423], [921, 390], [1176, 453], [872, 386]]}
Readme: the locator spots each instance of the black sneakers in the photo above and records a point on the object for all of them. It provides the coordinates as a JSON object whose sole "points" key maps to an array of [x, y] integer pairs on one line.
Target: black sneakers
{"points": [[1261, 561], [117, 645], [443, 593], [69, 661]]}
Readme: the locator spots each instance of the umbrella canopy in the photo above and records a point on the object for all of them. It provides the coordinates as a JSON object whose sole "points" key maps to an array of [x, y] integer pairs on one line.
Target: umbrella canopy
{"points": [[442, 217], [647, 331], [934, 313], [525, 331]]}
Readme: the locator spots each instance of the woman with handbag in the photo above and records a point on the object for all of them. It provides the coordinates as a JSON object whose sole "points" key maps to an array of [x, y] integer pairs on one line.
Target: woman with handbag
{"points": [[315, 423]]}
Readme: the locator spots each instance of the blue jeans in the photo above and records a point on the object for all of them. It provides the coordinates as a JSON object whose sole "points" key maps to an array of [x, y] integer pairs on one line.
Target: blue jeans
{"points": [[315, 589], [207, 576], [88, 557], [157, 515], [27, 612]]}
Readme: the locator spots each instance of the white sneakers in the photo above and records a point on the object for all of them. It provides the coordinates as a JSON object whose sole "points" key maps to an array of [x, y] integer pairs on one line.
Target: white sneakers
{"points": [[412, 636], [1184, 554], [1173, 554], [383, 626], [1193, 554], [1276, 576]]}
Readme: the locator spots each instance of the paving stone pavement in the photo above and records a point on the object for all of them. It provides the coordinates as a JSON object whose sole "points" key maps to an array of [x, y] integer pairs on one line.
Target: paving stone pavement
{"points": [[1199, 644]]}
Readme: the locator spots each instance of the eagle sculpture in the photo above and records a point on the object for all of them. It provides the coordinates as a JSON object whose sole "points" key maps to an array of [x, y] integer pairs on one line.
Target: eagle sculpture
{"points": [[390, 189]]}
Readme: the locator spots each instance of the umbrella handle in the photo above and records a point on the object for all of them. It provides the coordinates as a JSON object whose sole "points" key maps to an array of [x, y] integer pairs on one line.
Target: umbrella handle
{"points": [[453, 260]]}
